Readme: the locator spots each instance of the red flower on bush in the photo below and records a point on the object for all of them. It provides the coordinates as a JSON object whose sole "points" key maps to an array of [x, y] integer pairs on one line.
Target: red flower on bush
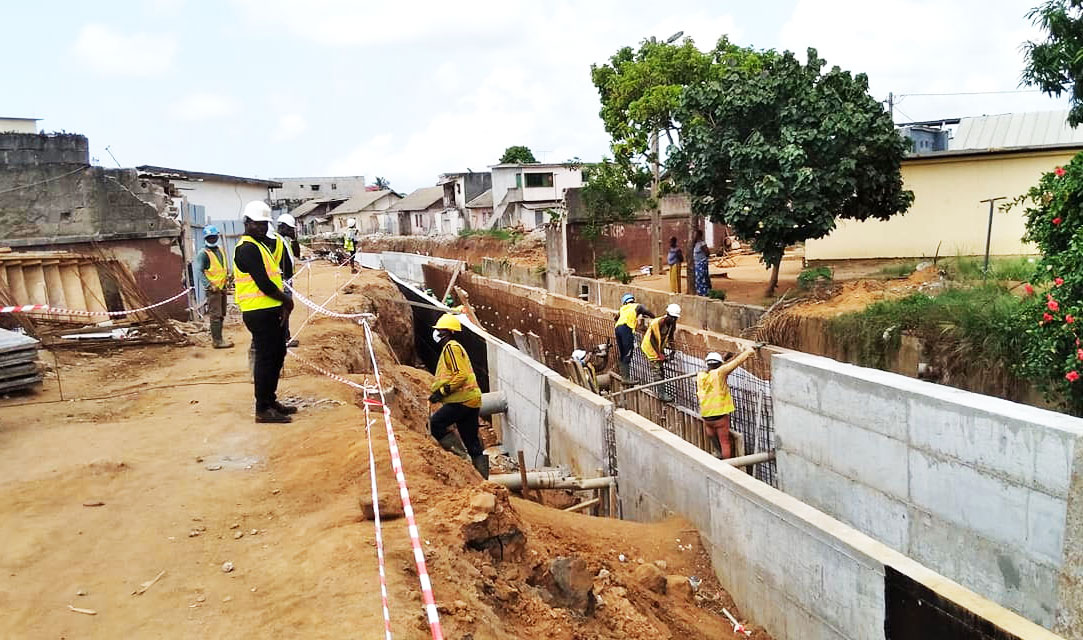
{"points": [[1046, 318], [1029, 289], [1056, 221], [1060, 172], [1079, 353], [1058, 281], [1053, 305], [1069, 318], [1072, 376]]}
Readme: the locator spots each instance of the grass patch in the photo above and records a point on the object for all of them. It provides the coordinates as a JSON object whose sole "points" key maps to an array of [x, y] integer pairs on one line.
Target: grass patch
{"points": [[900, 270], [716, 294], [971, 268], [504, 235], [809, 277]]}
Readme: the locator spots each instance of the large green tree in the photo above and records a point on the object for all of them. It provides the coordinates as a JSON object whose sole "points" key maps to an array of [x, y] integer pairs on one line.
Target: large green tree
{"points": [[517, 154], [780, 150], [1055, 64]]}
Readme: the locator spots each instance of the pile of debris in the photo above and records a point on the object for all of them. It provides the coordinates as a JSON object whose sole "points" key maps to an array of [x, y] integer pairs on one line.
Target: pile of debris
{"points": [[18, 361]]}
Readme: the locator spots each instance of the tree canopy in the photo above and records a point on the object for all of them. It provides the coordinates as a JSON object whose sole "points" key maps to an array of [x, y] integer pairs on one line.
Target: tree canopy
{"points": [[778, 150], [382, 183], [517, 154], [607, 198], [1055, 65]]}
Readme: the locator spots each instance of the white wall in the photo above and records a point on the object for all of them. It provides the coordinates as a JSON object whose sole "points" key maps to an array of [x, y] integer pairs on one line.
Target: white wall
{"points": [[18, 125], [223, 200], [301, 188]]}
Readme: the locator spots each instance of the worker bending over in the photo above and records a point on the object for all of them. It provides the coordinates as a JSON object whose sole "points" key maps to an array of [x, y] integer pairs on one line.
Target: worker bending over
{"points": [[214, 272], [456, 386], [627, 321], [715, 399], [657, 342], [265, 308]]}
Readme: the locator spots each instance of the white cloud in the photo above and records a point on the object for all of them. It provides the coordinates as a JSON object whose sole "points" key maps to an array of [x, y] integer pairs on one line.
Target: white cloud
{"points": [[196, 107], [139, 54], [290, 126]]}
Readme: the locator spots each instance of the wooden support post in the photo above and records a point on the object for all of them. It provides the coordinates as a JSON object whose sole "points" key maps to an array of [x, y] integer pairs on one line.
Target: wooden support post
{"points": [[522, 473]]}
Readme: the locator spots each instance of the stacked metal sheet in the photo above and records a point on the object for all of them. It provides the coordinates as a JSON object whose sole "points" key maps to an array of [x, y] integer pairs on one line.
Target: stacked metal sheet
{"points": [[18, 361]]}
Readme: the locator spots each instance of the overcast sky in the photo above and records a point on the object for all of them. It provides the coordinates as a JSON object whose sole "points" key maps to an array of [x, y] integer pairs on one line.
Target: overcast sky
{"points": [[407, 90]]}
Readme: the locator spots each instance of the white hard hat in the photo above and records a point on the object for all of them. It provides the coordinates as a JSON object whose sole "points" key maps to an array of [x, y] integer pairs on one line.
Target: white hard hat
{"points": [[287, 220], [579, 355], [257, 211], [714, 356], [674, 310], [350, 222]]}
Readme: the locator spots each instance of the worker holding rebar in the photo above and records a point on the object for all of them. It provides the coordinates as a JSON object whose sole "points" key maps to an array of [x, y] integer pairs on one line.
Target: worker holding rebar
{"points": [[627, 321], [455, 424], [656, 345], [265, 308], [715, 399], [214, 275]]}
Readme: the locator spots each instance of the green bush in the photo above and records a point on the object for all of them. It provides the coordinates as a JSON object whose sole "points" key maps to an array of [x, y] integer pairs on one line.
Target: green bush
{"points": [[809, 277], [504, 235], [611, 265], [900, 270], [971, 268], [716, 294]]}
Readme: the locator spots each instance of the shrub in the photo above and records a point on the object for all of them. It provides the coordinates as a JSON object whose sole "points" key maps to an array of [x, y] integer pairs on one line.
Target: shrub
{"points": [[611, 265], [717, 294], [809, 277], [504, 235]]}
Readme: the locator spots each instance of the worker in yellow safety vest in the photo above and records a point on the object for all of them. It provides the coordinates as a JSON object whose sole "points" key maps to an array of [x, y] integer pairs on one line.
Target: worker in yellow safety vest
{"points": [[656, 344], [349, 242], [455, 424], [265, 307], [627, 322], [715, 399], [214, 275]]}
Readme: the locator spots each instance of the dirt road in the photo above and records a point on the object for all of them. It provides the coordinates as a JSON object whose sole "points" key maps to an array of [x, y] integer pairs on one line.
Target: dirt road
{"points": [[186, 482]]}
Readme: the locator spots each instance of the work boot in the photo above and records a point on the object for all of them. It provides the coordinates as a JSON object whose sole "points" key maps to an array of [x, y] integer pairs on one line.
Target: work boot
{"points": [[284, 409], [453, 443], [216, 336], [622, 367], [272, 415], [481, 463], [293, 343]]}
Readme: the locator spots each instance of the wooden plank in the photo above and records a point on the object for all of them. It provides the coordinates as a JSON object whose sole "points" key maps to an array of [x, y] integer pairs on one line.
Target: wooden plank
{"points": [[54, 286], [92, 287], [34, 278], [17, 285], [72, 285]]}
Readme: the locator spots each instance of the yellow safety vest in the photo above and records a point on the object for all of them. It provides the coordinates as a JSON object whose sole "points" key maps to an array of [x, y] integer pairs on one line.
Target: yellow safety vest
{"points": [[347, 242], [654, 329], [454, 370], [216, 272], [715, 399], [628, 315], [248, 295]]}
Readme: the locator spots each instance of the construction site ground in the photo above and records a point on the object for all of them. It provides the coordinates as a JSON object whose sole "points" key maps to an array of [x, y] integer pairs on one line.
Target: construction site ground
{"points": [[151, 465]]}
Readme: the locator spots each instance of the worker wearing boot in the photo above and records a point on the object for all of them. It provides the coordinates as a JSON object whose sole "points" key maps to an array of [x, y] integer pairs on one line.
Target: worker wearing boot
{"points": [[657, 343], [455, 424], [716, 401], [349, 242], [265, 308], [627, 321], [214, 273]]}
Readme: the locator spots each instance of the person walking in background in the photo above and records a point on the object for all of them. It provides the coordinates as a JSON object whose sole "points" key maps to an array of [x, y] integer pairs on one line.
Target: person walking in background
{"points": [[627, 321], [674, 259], [716, 401], [349, 242], [214, 275], [656, 344], [702, 271]]}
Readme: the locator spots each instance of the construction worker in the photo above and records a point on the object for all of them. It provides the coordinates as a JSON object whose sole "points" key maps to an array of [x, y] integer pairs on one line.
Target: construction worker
{"points": [[349, 242], [214, 274], [715, 399], [627, 321], [265, 307], [586, 372], [656, 342], [456, 387]]}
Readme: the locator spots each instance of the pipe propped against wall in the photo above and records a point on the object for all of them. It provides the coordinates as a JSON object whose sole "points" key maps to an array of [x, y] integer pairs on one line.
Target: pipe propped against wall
{"points": [[492, 403], [550, 480]]}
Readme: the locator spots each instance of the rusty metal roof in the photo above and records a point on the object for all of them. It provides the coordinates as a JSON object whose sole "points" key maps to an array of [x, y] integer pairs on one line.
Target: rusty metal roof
{"points": [[1014, 130]]}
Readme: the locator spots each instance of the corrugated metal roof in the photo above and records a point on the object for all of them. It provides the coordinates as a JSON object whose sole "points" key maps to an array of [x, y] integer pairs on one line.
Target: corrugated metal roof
{"points": [[420, 200], [359, 202], [1035, 129], [483, 201]]}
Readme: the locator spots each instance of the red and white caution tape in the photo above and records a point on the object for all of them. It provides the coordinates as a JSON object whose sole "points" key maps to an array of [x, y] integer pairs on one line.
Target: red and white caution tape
{"points": [[376, 520], [427, 596], [737, 626], [76, 312], [324, 310], [334, 376]]}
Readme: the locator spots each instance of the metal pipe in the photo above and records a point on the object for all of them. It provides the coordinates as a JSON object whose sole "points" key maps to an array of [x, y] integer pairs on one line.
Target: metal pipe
{"points": [[492, 403], [583, 505], [549, 480], [653, 384], [750, 459]]}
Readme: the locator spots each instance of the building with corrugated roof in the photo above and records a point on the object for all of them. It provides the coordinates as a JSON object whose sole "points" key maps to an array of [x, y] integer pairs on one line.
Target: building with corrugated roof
{"points": [[365, 208], [986, 157]]}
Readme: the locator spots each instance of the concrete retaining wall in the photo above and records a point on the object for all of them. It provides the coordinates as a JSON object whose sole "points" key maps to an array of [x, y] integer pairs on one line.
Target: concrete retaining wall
{"points": [[977, 488], [408, 265]]}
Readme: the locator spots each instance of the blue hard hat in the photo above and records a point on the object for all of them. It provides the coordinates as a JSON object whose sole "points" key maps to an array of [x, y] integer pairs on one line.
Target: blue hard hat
{"points": [[626, 298], [210, 230]]}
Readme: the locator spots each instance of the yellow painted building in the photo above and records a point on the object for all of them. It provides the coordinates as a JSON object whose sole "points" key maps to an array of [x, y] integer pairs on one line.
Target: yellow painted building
{"points": [[947, 212]]}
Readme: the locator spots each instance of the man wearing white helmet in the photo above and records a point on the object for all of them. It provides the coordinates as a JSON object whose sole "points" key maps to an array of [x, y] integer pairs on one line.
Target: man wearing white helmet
{"points": [[287, 230], [258, 263], [349, 242], [656, 342], [627, 321], [214, 275], [715, 399], [585, 370]]}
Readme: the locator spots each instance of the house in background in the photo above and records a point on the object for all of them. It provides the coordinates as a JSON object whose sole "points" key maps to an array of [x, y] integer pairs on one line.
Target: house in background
{"points": [[18, 125], [459, 190], [523, 194], [294, 191], [479, 211], [365, 208], [314, 217], [222, 196], [988, 157], [415, 214]]}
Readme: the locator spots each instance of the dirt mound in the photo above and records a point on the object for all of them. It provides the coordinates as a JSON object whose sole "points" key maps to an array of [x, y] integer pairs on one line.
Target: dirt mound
{"points": [[855, 295], [527, 251]]}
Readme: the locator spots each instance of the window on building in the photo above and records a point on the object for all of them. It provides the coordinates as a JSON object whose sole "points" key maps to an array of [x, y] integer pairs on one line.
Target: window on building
{"points": [[333, 186], [300, 186], [315, 187], [518, 181], [539, 179]]}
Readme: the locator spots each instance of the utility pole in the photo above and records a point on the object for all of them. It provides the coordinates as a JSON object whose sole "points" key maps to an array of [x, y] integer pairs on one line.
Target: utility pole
{"points": [[989, 233], [656, 211], [891, 105]]}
